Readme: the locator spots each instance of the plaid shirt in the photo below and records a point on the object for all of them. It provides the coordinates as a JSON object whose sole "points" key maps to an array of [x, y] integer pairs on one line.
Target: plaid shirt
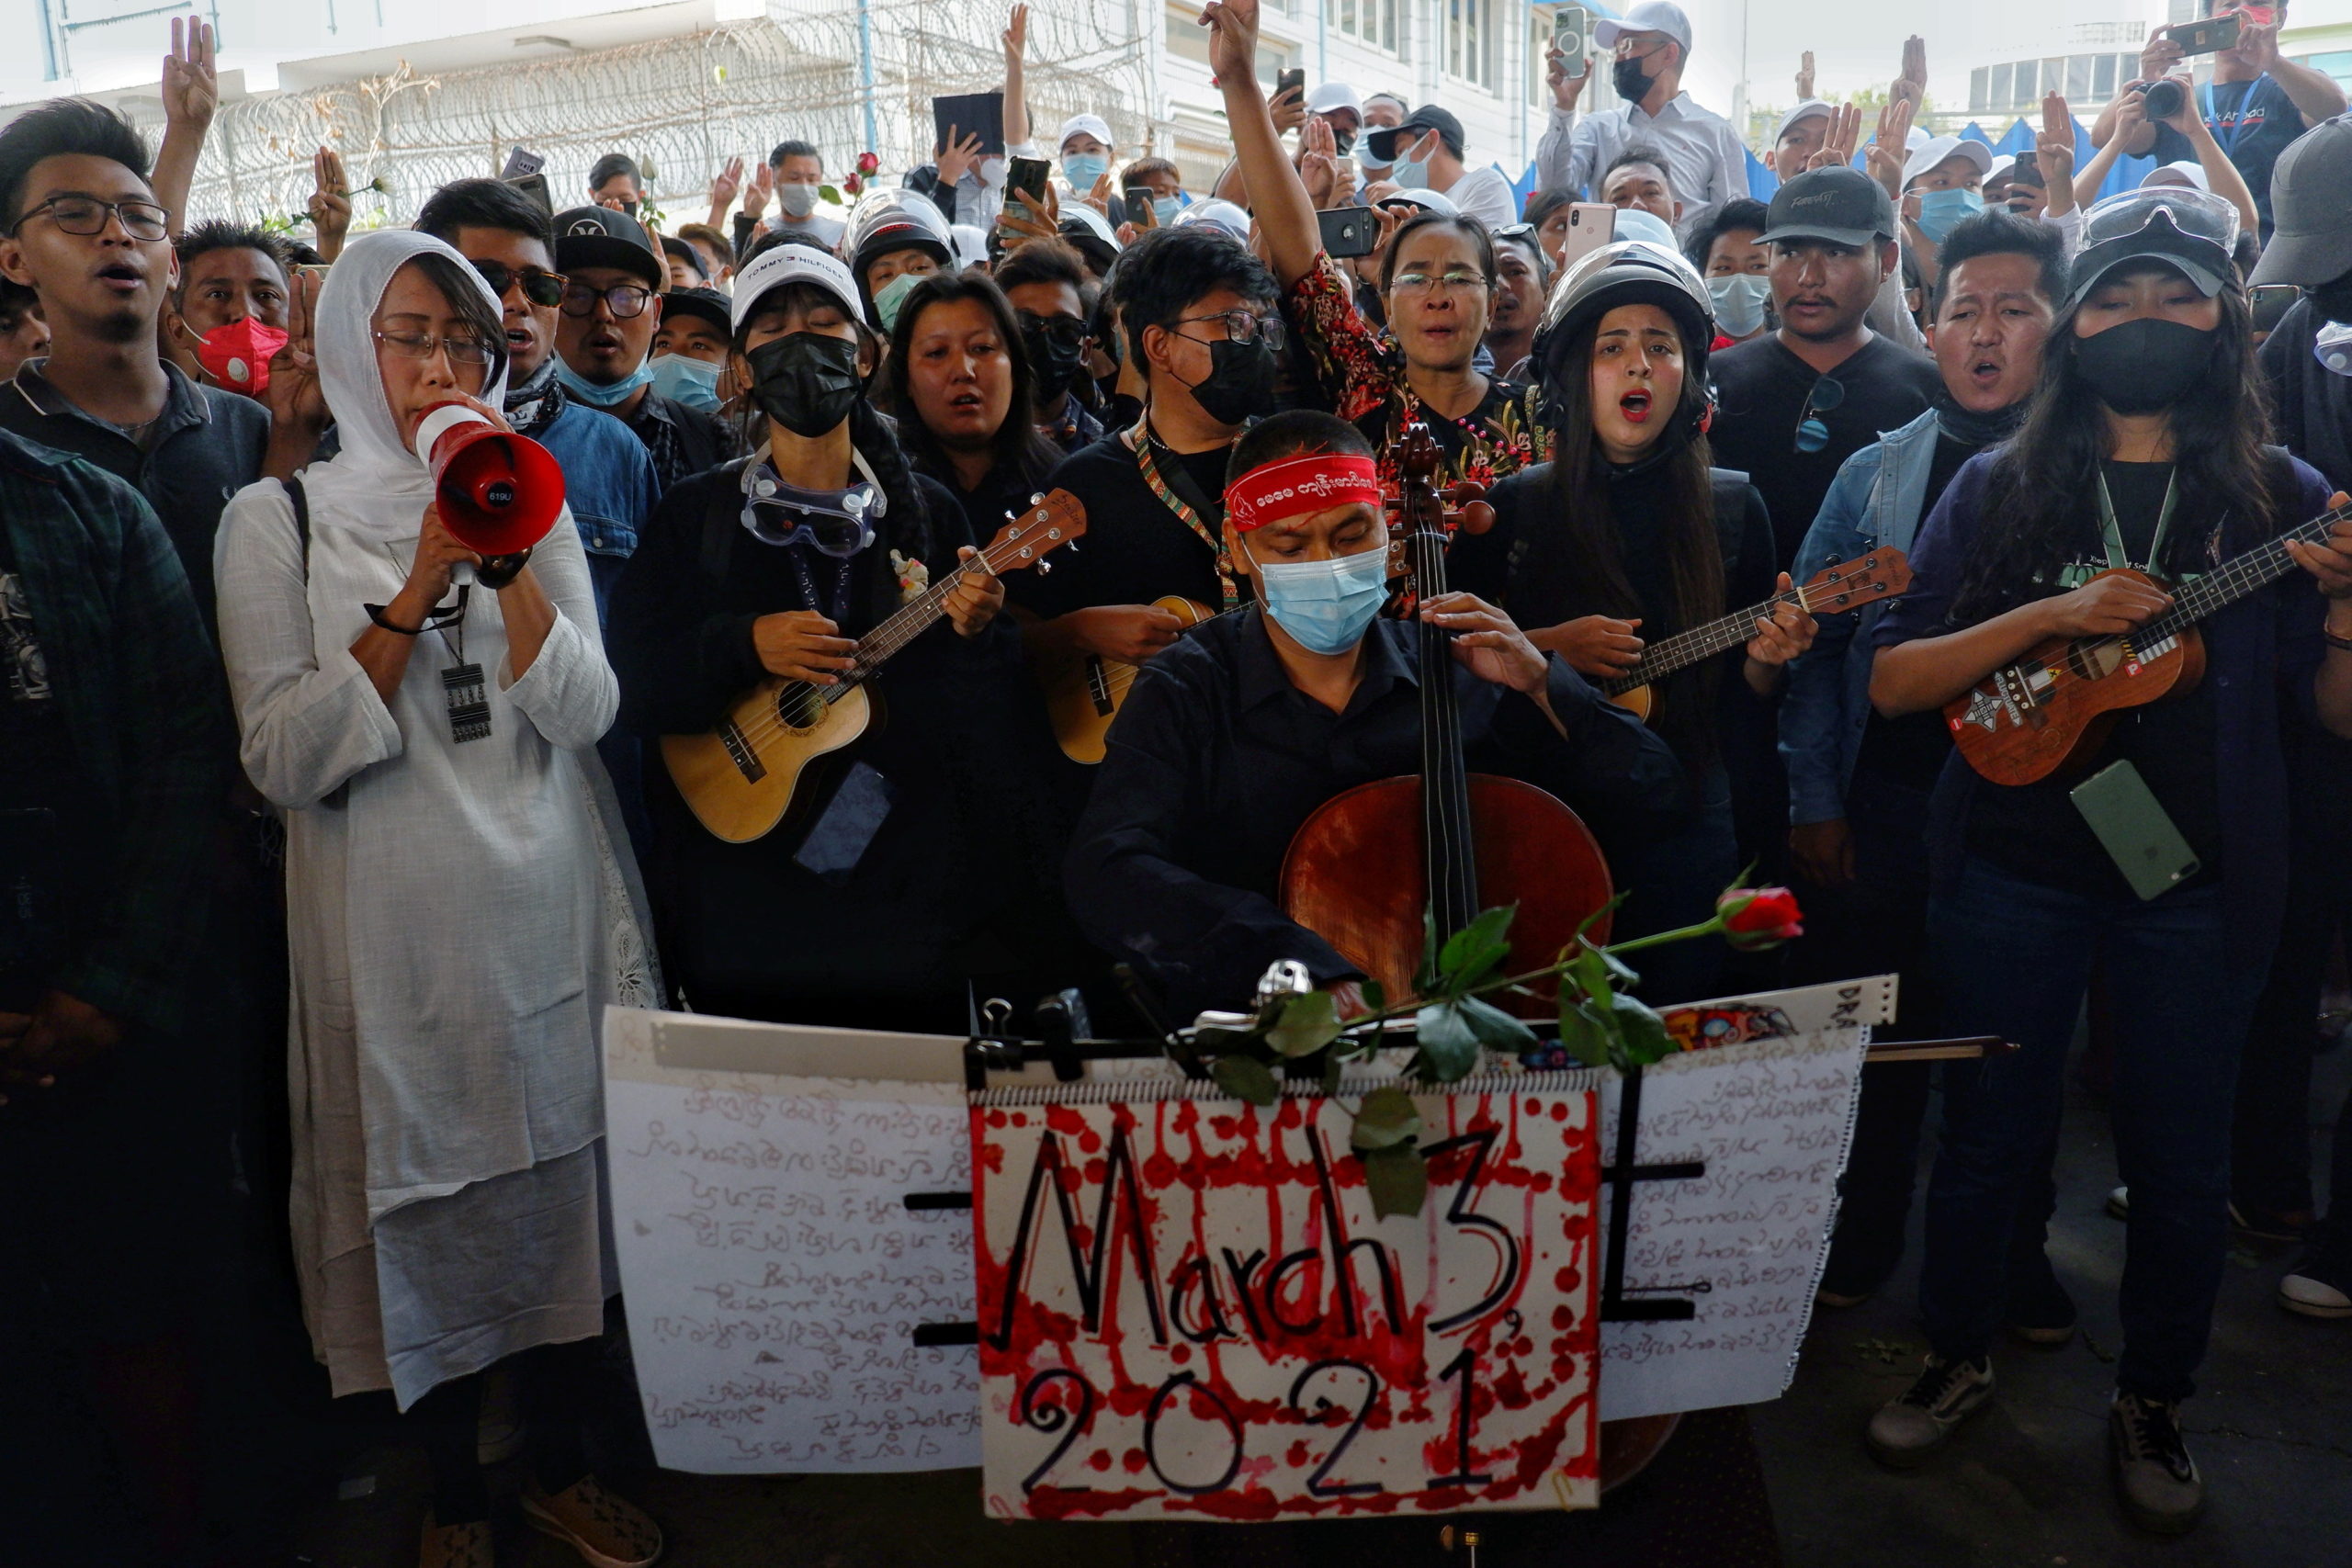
{"points": [[135, 677]]}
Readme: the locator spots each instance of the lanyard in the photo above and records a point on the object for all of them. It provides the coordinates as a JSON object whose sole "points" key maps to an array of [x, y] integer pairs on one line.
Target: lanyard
{"points": [[809, 595], [2115, 555], [2246, 112], [1142, 438]]}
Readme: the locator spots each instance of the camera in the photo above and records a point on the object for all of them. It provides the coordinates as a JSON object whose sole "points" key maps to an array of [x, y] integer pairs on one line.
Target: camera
{"points": [[2164, 99]]}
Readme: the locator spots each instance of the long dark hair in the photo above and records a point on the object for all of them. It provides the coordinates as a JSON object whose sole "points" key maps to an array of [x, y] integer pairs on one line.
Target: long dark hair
{"points": [[1572, 559], [1016, 443], [2042, 496], [461, 287]]}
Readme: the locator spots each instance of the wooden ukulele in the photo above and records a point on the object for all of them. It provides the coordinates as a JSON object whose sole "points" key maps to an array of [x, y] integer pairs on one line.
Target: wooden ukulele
{"points": [[740, 780], [1837, 588], [1084, 691], [2053, 709]]}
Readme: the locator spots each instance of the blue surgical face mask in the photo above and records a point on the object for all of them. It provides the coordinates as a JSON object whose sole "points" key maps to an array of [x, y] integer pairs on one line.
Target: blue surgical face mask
{"points": [[1410, 174], [694, 382], [1082, 169], [1942, 212], [1325, 605], [888, 303], [1740, 298], [1166, 208], [603, 397]]}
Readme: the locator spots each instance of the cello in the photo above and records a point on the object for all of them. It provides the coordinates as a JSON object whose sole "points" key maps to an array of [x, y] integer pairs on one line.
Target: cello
{"points": [[1484, 840]]}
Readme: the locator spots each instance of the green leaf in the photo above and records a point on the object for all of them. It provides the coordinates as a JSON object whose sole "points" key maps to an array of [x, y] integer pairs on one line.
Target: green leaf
{"points": [[1376, 994], [1495, 1029], [1398, 1179], [1643, 1033], [1589, 969], [1472, 953], [1385, 1119], [1603, 912], [1449, 1042], [1308, 1024], [1245, 1078], [1585, 1031], [830, 194]]}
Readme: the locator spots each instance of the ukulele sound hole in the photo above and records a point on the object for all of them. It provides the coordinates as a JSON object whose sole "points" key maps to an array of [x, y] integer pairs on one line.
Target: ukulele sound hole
{"points": [[799, 707]]}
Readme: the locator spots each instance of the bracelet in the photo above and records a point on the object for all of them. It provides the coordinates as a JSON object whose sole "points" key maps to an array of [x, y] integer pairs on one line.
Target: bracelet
{"points": [[2333, 641], [376, 613]]}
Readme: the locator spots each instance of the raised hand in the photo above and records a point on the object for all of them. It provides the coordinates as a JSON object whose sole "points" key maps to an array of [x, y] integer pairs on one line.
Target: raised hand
{"points": [[958, 155], [726, 186], [1914, 69], [1567, 89], [763, 187], [1016, 35], [191, 87], [294, 397], [1890, 149], [1100, 196], [1288, 108], [1024, 218], [2257, 43], [330, 207], [1233, 38], [2053, 150], [1804, 75], [1838, 142]]}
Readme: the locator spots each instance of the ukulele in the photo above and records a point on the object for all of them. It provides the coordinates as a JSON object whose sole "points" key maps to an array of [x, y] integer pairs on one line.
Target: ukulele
{"points": [[2053, 708], [742, 778], [1084, 691], [1837, 588]]}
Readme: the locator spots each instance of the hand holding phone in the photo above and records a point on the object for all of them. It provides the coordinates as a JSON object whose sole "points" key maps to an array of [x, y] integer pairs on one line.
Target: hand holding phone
{"points": [[1027, 175], [2207, 35], [1140, 211]]}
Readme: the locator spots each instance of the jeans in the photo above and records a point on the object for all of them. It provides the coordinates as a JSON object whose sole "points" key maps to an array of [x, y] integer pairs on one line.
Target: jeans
{"points": [[2014, 958]]}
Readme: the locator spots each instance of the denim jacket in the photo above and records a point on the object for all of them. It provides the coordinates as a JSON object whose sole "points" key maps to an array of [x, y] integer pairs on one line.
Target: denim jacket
{"points": [[609, 481], [1878, 498]]}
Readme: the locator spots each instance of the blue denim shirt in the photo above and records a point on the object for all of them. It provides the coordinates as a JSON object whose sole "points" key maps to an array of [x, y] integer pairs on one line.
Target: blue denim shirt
{"points": [[1878, 498], [609, 481]]}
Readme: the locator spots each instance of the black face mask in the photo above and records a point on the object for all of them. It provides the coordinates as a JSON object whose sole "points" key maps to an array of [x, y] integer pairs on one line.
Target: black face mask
{"points": [[1054, 361], [2333, 298], [806, 382], [2145, 366], [1626, 76], [1344, 140], [1240, 382]]}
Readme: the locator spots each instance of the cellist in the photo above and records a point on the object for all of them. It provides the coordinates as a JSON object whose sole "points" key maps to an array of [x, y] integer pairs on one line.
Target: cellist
{"points": [[1235, 736]]}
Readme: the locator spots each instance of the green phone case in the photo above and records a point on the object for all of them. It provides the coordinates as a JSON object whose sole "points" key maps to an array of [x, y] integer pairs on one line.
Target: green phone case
{"points": [[2133, 826]]}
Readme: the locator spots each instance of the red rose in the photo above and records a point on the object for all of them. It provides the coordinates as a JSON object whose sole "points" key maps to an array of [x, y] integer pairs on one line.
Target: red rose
{"points": [[867, 162], [852, 185], [1759, 918]]}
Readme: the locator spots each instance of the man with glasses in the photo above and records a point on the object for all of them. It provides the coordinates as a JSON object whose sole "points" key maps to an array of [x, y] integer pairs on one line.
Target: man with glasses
{"points": [[1794, 404], [1201, 322], [1649, 49], [608, 478], [80, 226], [604, 340]]}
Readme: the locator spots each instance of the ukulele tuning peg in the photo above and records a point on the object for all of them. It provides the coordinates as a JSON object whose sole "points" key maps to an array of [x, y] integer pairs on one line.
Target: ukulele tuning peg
{"points": [[1046, 568]]}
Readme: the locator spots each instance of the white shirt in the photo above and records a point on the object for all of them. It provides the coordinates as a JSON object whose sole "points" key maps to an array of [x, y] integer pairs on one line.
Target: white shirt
{"points": [[1484, 195], [1704, 157]]}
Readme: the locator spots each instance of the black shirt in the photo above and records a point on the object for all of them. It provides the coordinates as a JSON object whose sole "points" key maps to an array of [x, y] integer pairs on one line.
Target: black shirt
{"points": [[1910, 751], [1761, 389], [1216, 759], [2036, 831], [43, 829], [1136, 548], [680, 440]]}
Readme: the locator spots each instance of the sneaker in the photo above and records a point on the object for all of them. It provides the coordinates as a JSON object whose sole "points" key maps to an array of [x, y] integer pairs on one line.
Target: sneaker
{"points": [[2269, 1224], [1839, 1299], [2041, 1312], [2319, 1287], [1908, 1428], [457, 1546], [2154, 1478], [607, 1531], [2118, 1203]]}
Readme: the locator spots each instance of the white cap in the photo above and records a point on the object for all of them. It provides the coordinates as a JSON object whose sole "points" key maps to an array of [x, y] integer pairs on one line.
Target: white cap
{"points": [[1422, 196], [1649, 16], [971, 245], [1805, 110], [1916, 138], [788, 265], [1638, 223], [1936, 148], [1216, 213], [1325, 96], [2179, 172], [2003, 166], [1094, 125]]}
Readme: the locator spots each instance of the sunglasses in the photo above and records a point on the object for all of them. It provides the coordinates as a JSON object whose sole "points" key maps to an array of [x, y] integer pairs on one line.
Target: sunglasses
{"points": [[540, 287], [1813, 431]]}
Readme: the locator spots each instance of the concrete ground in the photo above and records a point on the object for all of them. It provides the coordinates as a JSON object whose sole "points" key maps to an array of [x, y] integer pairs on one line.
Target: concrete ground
{"points": [[2025, 1485]]}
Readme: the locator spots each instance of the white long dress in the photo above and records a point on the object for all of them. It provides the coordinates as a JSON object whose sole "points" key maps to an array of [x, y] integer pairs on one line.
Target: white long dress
{"points": [[458, 915]]}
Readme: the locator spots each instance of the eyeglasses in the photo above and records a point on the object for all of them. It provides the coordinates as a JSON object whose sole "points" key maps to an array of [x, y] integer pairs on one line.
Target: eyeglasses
{"points": [[540, 287], [1629, 48], [470, 353], [1458, 278], [1062, 331], [1813, 431], [624, 299], [87, 215], [1245, 326]]}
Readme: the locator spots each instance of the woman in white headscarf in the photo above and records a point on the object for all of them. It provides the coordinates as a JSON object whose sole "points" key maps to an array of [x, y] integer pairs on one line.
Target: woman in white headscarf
{"points": [[460, 905]]}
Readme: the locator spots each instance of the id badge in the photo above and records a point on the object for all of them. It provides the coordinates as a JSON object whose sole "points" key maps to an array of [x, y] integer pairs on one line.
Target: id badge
{"points": [[468, 701]]}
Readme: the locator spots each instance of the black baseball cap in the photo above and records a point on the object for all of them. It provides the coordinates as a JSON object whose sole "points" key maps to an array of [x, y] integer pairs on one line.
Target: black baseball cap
{"points": [[598, 236], [1381, 142], [707, 303], [1841, 205]]}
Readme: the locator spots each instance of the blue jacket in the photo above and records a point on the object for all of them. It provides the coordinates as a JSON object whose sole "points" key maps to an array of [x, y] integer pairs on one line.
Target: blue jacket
{"points": [[609, 481], [1878, 498]]}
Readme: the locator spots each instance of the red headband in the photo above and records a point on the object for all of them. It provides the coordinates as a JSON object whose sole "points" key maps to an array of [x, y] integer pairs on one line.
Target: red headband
{"points": [[1292, 485]]}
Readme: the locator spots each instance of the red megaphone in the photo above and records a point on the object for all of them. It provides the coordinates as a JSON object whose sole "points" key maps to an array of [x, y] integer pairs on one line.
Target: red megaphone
{"points": [[499, 493]]}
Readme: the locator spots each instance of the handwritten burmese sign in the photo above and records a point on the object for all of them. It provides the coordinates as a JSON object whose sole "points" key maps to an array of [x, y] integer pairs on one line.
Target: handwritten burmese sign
{"points": [[1187, 1308]]}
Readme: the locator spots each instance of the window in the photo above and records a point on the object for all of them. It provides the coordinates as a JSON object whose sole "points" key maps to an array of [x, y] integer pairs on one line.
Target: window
{"points": [[2078, 78], [2000, 98], [2028, 88], [1372, 21], [1979, 85], [1538, 39], [2336, 65], [1467, 46], [2103, 77], [1187, 39]]}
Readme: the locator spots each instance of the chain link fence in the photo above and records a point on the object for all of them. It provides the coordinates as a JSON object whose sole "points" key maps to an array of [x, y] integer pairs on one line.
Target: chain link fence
{"points": [[681, 107]]}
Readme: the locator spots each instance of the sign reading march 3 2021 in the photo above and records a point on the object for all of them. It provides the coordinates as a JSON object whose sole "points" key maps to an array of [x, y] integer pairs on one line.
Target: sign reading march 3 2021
{"points": [[1189, 1310]]}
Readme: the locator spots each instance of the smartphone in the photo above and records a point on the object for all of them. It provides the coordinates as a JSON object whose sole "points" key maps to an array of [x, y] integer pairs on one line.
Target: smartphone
{"points": [[1140, 212], [2270, 301], [1348, 230], [1592, 224], [534, 186], [1027, 175], [1292, 80], [2133, 826], [521, 161], [1572, 32], [2207, 34]]}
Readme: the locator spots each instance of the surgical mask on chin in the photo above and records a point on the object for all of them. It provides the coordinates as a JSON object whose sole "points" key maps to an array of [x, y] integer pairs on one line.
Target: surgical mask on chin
{"points": [[688, 380], [1324, 606], [1942, 212], [1740, 301], [893, 297], [603, 396], [1082, 169], [797, 201], [2143, 365]]}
